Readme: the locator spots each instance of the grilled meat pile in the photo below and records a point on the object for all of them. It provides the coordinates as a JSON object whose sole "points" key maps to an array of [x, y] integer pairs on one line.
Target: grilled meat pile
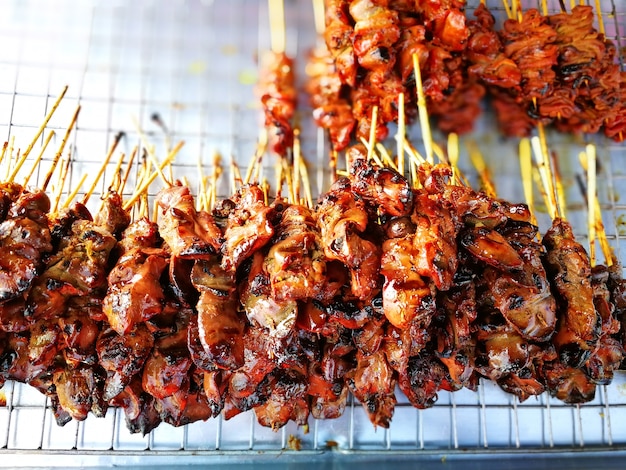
{"points": [[286, 309], [554, 69]]}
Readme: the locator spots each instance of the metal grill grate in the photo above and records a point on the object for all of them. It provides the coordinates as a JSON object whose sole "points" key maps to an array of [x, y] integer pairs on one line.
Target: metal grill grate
{"points": [[191, 62]]}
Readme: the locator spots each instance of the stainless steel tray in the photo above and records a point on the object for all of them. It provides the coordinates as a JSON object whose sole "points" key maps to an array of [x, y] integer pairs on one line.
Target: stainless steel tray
{"points": [[192, 62]]}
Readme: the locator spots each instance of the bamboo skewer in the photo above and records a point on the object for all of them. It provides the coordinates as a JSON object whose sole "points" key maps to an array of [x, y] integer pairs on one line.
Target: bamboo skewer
{"points": [[401, 134], [61, 147], [481, 167], [107, 158], [526, 169], [276, 9], [148, 181], [423, 111], [35, 164], [73, 194]]}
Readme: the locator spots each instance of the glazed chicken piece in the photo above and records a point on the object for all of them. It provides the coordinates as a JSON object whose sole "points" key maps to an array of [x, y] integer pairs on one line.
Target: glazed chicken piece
{"points": [[278, 94], [609, 353], [286, 402], [422, 379], [80, 390], [24, 240], [373, 383], [568, 265], [220, 326], [505, 357], [248, 228], [342, 219], [122, 357], [338, 37], [79, 333], [383, 188], [453, 330], [141, 414], [331, 110], [375, 33], [166, 370], [187, 232], [524, 297], [78, 269], [112, 217], [295, 262], [568, 384], [134, 293], [277, 319]]}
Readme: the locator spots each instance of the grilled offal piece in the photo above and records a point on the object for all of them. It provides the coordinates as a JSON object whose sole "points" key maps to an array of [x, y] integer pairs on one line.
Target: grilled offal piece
{"points": [[187, 232], [24, 239], [248, 227], [342, 219], [568, 264], [220, 326]]}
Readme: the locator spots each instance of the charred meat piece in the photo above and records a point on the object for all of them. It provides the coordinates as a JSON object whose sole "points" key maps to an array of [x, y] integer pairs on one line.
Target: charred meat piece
{"points": [[188, 233], [338, 37], [112, 217], [79, 391], [122, 357], [295, 262], [383, 188], [220, 326], [568, 266], [278, 94], [342, 219], [134, 293], [24, 240], [248, 227], [373, 382]]}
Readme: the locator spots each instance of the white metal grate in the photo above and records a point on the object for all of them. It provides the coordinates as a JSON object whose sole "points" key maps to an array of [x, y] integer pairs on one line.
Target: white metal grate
{"points": [[191, 62]]}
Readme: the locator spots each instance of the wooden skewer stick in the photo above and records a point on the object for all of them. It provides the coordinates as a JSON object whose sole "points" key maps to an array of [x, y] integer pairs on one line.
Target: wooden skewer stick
{"points": [[4, 151], [591, 201], [297, 158], [117, 172], [385, 158], [148, 181], [217, 171], [61, 183], [45, 121], [372, 136], [543, 166], [453, 155], [542, 190], [73, 194], [373, 155], [507, 9], [607, 251], [277, 25], [106, 161], [423, 111], [318, 15], [129, 166], [61, 147], [601, 29], [544, 7], [150, 151], [526, 169], [401, 134], [10, 160], [481, 167], [39, 157], [560, 190], [304, 171]]}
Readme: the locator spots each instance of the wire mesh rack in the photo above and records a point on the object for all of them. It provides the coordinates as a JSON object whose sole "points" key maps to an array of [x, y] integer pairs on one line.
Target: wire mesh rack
{"points": [[191, 65]]}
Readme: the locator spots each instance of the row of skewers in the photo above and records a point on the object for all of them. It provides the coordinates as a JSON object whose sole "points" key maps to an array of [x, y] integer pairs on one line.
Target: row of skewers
{"points": [[538, 69], [269, 303], [282, 307]]}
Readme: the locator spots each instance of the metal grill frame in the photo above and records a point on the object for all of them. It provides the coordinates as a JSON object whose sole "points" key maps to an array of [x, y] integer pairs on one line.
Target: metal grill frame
{"points": [[124, 55]]}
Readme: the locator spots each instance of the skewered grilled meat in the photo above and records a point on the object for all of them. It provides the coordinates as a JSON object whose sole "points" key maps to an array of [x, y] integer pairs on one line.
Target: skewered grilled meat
{"points": [[220, 327], [248, 227], [278, 96], [568, 264], [24, 240]]}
